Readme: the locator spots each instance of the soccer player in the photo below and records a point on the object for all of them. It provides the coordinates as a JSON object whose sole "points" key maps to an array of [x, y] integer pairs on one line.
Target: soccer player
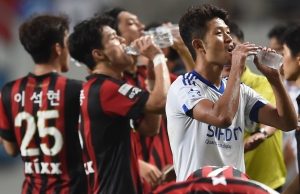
{"points": [[291, 70], [260, 139], [206, 112], [39, 112], [108, 104], [289, 142], [154, 153]]}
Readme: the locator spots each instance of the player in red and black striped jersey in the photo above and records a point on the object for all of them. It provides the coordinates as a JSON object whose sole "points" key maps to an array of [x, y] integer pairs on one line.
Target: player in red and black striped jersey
{"points": [[212, 171], [109, 104], [214, 185], [144, 143], [215, 179], [39, 112]]}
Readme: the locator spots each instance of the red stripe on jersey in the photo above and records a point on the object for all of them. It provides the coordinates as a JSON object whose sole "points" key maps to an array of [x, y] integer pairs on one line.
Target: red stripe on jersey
{"points": [[87, 135], [161, 154], [173, 77], [206, 170], [134, 163], [4, 121], [60, 124]]}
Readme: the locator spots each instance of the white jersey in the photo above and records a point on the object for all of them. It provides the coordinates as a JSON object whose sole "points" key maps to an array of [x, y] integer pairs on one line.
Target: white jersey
{"points": [[196, 144]]}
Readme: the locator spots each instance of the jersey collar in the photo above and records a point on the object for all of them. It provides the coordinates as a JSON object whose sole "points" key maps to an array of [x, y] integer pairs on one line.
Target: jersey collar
{"points": [[222, 88]]}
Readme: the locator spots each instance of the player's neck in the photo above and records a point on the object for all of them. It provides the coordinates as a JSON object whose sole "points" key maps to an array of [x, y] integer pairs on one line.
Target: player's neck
{"points": [[102, 69], [132, 69], [42, 69], [210, 72]]}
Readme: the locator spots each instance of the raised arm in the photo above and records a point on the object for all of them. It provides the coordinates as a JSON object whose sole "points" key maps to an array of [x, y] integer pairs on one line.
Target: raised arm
{"points": [[222, 112], [157, 99], [283, 116]]}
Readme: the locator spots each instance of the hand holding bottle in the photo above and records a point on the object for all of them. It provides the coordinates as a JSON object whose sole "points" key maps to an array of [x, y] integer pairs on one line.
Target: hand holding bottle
{"points": [[146, 46]]}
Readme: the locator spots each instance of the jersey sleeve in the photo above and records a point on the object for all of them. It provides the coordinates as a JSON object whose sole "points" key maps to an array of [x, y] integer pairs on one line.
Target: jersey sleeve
{"points": [[6, 130], [122, 99], [187, 95], [254, 102]]}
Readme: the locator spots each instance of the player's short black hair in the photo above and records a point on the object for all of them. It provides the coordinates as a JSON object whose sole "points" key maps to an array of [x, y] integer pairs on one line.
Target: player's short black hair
{"points": [[86, 37], [192, 24], [235, 30], [41, 32], [114, 12], [291, 38]]}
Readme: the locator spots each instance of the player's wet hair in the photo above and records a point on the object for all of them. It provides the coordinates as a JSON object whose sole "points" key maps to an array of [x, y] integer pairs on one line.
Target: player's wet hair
{"points": [[192, 24]]}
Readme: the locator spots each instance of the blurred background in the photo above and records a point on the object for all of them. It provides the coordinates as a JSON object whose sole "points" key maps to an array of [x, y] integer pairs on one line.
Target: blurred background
{"points": [[255, 18]]}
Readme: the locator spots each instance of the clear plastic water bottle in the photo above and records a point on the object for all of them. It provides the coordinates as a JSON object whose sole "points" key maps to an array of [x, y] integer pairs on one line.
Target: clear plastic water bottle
{"points": [[161, 36], [269, 59]]}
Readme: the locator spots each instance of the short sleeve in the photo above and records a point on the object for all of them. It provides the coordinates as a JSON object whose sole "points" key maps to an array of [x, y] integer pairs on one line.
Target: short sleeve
{"points": [[254, 102], [122, 99], [188, 95], [6, 130]]}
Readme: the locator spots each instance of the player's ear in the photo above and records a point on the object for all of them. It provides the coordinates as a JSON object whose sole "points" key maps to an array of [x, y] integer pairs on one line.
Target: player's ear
{"points": [[57, 49], [198, 45], [298, 59], [98, 54]]}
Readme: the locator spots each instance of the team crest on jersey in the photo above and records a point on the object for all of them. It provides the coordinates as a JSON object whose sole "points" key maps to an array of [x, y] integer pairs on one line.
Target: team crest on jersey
{"points": [[193, 93], [129, 91]]}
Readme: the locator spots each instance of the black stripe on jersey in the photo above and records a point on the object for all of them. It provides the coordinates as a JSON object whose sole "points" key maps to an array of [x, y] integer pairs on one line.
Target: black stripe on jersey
{"points": [[161, 135], [145, 150], [236, 173], [137, 108], [198, 173], [156, 158], [72, 144]]}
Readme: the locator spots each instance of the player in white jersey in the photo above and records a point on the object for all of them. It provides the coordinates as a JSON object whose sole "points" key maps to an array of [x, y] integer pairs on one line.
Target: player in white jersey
{"points": [[205, 112], [211, 145]]}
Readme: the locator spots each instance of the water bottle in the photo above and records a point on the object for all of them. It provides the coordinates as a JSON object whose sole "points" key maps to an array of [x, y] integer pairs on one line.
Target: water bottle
{"points": [[269, 59], [161, 36]]}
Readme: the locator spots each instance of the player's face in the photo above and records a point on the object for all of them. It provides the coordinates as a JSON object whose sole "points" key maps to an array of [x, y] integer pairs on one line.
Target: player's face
{"points": [[291, 65], [227, 68], [129, 27], [274, 44], [114, 48], [218, 42], [65, 56]]}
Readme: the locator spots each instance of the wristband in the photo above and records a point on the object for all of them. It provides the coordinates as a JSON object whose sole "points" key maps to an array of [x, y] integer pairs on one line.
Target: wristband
{"points": [[158, 59]]}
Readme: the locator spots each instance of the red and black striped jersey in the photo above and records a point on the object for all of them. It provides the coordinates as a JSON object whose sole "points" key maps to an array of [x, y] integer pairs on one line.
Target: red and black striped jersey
{"points": [[161, 153], [143, 143], [107, 105], [40, 114], [215, 185], [212, 171]]}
